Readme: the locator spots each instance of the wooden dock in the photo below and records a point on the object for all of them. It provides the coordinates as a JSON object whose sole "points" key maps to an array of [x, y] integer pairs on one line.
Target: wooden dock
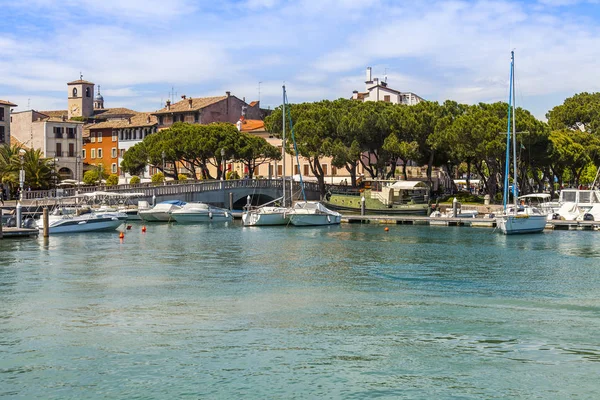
{"points": [[8, 233], [473, 222]]}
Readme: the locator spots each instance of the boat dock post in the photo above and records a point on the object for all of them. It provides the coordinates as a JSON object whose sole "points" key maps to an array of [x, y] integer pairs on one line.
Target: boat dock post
{"points": [[0, 221], [362, 205], [45, 222]]}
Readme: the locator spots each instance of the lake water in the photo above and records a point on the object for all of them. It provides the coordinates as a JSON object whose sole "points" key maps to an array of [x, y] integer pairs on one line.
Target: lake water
{"points": [[352, 311]]}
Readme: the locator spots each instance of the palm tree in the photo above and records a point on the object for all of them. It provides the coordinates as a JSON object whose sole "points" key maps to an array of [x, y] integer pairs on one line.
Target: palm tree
{"points": [[39, 171], [9, 166]]}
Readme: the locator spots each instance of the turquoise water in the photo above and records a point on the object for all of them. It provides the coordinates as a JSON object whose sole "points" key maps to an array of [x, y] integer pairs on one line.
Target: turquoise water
{"points": [[353, 312]]}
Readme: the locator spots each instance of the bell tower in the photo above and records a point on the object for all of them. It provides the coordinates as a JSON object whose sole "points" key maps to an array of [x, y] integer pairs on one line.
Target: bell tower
{"points": [[81, 98]]}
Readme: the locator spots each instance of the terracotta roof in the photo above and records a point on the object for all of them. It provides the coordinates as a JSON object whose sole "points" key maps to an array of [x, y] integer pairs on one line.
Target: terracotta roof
{"points": [[7, 103], [254, 103], [79, 81], [55, 113], [252, 125], [15, 142], [112, 112], [138, 120], [197, 104]]}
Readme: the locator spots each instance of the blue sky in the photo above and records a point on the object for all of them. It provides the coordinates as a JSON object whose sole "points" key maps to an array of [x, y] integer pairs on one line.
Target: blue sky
{"points": [[137, 50]]}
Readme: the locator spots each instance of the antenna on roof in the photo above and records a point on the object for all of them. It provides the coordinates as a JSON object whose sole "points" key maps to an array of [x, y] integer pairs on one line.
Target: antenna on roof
{"points": [[28, 106], [259, 90], [385, 75], [80, 75]]}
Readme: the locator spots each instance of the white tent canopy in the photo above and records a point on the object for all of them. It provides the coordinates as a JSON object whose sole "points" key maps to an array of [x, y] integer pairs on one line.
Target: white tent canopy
{"points": [[410, 185]]}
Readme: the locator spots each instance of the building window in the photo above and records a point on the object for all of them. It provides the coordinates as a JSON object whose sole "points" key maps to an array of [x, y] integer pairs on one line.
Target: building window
{"points": [[114, 168], [99, 152], [305, 169], [1, 113], [279, 170], [386, 98], [87, 92], [2, 135], [197, 117], [71, 133], [160, 120], [58, 132], [93, 137], [71, 150], [122, 151], [99, 134], [74, 92], [58, 152], [324, 168], [83, 154], [115, 136], [93, 153], [296, 170], [114, 152], [333, 170]]}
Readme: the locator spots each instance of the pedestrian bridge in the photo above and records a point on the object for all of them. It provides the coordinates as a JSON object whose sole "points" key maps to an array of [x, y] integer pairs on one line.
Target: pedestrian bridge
{"points": [[221, 193]]}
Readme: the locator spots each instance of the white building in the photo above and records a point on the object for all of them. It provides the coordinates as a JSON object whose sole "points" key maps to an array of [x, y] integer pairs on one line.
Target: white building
{"points": [[56, 137], [5, 108], [377, 90]]}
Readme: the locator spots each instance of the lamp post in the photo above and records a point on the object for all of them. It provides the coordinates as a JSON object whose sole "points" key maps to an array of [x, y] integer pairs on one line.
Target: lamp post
{"points": [[21, 185], [163, 165], [223, 161], [54, 174]]}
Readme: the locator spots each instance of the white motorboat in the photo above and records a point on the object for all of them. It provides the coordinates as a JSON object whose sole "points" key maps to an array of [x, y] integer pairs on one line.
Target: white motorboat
{"points": [[161, 211], [516, 218], [83, 220], [266, 216], [522, 219], [200, 212], [313, 213]]}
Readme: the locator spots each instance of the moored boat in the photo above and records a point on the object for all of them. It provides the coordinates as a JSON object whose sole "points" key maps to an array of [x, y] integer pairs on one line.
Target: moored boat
{"points": [[161, 211], [313, 213], [201, 212]]}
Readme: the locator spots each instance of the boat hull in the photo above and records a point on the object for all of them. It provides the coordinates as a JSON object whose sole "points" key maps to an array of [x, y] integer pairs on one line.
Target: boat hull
{"points": [[149, 216], [270, 217], [518, 224], [74, 225], [314, 220]]}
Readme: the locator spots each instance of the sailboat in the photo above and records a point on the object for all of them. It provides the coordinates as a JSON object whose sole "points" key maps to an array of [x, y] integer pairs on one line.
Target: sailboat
{"points": [[516, 218], [267, 214]]}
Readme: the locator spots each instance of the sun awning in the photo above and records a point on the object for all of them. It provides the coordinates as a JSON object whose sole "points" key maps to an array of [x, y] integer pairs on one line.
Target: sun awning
{"points": [[410, 185]]}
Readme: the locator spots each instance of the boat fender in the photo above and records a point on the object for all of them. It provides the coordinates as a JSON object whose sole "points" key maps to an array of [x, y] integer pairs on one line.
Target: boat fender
{"points": [[588, 217], [226, 214], [210, 215], [328, 219], [556, 216]]}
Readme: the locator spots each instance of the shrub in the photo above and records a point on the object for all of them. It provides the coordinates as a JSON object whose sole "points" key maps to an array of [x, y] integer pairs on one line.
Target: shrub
{"points": [[158, 178], [91, 177], [112, 180], [182, 177], [232, 175], [134, 180]]}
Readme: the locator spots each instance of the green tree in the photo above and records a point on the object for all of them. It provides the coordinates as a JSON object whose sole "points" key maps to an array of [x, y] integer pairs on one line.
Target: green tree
{"points": [[581, 112], [112, 180], [134, 180]]}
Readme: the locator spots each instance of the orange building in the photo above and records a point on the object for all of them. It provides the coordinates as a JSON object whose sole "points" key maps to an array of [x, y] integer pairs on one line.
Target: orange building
{"points": [[101, 147]]}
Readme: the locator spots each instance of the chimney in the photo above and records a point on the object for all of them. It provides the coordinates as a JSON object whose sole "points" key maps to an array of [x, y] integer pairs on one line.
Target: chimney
{"points": [[183, 96], [129, 120], [190, 102], [64, 117], [147, 119], [168, 104], [228, 94], [369, 74]]}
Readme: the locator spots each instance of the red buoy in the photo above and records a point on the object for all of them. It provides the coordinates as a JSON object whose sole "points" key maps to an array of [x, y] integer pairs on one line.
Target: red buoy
{"points": [[144, 228], [121, 235], [386, 229]]}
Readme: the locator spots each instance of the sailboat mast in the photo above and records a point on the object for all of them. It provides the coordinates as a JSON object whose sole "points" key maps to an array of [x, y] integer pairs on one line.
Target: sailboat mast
{"points": [[507, 162], [283, 146], [514, 133]]}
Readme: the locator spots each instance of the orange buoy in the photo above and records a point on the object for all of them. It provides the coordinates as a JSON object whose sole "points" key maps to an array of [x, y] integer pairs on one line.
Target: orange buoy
{"points": [[386, 229], [144, 228], [121, 235]]}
